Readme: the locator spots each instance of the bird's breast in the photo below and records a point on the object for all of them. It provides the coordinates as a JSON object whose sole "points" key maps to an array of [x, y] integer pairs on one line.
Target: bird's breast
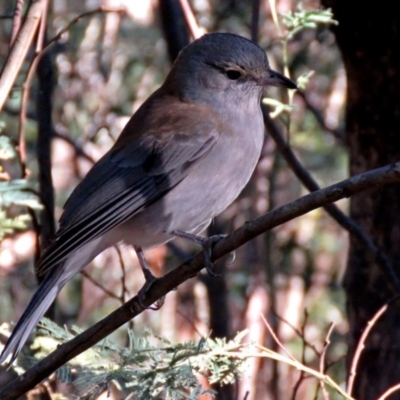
{"points": [[210, 187]]}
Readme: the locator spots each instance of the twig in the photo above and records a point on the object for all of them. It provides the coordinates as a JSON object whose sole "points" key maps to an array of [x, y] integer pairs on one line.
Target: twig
{"points": [[22, 113], [16, 25], [337, 133], [24, 39], [195, 30], [26, 87], [101, 9], [361, 344], [41, 37], [79, 151], [322, 360], [344, 221], [191, 323], [275, 337], [20, 48], [302, 335], [266, 353], [100, 286], [372, 179], [124, 290], [390, 391]]}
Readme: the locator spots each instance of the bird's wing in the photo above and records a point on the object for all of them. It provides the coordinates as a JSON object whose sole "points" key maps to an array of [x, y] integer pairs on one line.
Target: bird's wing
{"points": [[137, 171]]}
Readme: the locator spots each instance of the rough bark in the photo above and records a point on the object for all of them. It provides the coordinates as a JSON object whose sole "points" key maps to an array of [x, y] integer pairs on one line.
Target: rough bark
{"points": [[369, 39]]}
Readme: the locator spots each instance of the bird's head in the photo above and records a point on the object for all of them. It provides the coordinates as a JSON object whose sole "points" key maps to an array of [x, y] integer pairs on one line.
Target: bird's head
{"points": [[222, 63]]}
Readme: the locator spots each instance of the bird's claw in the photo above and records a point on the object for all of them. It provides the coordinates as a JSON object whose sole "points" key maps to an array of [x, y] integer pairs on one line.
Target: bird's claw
{"points": [[233, 255], [207, 244], [150, 279]]}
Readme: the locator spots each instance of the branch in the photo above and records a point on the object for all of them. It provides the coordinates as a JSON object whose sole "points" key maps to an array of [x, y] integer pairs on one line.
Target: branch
{"points": [[174, 27], [322, 360], [101, 9], [390, 391], [361, 343], [195, 30], [79, 151], [16, 20], [344, 221], [337, 133], [20, 48], [372, 179], [44, 108], [24, 39], [255, 20]]}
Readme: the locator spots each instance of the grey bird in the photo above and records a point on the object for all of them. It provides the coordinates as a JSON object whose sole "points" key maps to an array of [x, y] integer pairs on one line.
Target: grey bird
{"points": [[183, 157]]}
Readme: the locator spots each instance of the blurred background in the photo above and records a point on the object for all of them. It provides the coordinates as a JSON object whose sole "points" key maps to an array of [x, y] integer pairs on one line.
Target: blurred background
{"points": [[98, 74]]}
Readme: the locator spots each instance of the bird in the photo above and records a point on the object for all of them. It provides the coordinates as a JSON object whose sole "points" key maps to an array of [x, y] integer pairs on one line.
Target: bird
{"points": [[183, 158]]}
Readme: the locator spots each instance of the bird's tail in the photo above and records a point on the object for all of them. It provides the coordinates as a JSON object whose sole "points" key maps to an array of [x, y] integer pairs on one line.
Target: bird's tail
{"points": [[41, 301]]}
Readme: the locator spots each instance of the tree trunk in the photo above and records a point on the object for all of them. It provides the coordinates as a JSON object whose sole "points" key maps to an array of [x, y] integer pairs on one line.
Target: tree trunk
{"points": [[369, 39]]}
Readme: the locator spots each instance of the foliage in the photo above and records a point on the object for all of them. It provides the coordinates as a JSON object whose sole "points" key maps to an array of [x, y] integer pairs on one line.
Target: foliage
{"points": [[296, 21], [16, 192], [152, 367]]}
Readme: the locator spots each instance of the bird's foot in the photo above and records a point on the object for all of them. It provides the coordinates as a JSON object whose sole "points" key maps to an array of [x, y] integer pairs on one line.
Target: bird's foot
{"points": [[149, 281], [206, 243], [143, 291]]}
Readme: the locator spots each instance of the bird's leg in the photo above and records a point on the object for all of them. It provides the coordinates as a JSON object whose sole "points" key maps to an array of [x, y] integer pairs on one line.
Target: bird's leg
{"points": [[149, 280], [206, 243]]}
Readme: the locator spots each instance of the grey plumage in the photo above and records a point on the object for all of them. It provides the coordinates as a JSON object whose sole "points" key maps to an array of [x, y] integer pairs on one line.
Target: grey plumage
{"points": [[184, 156]]}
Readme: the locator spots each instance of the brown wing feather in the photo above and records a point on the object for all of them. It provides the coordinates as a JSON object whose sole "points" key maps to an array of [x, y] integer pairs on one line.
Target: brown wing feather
{"points": [[156, 150]]}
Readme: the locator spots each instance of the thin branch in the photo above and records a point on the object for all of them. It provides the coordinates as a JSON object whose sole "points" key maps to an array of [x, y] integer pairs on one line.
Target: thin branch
{"points": [[322, 360], [275, 337], [22, 112], [20, 48], [372, 179], [100, 286], [26, 87], [79, 151], [102, 9], [16, 25], [44, 108], [195, 30], [41, 37], [255, 20], [337, 133], [361, 343], [124, 289], [24, 39], [174, 27], [344, 221], [389, 392], [302, 335]]}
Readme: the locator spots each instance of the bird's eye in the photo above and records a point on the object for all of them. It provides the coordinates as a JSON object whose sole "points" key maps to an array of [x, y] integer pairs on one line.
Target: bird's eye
{"points": [[233, 74]]}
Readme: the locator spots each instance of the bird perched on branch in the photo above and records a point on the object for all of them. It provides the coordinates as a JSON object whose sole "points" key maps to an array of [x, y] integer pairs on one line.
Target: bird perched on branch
{"points": [[183, 157]]}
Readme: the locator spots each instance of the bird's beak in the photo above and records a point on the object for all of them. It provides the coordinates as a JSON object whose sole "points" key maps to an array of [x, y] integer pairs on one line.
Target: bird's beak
{"points": [[275, 78]]}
